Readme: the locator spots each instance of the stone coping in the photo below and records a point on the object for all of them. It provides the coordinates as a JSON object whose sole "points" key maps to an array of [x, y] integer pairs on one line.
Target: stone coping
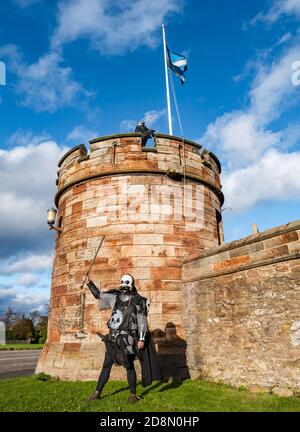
{"points": [[214, 157], [235, 244], [128, 171], [213, 274], [180, 139], [138, 134], [115, 136], [80, 147]]}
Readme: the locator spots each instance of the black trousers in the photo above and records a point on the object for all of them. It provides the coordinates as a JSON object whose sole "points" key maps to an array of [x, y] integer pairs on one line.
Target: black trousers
{"points": [[106, 368], [146, 136]]}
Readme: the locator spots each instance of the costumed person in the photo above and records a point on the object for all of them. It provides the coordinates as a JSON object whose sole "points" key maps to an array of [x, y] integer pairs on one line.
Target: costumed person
{"points": [[128, 336], [146, 133]]}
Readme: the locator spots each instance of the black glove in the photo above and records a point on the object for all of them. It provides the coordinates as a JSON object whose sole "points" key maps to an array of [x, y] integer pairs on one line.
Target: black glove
{"points": [[94, 290]]}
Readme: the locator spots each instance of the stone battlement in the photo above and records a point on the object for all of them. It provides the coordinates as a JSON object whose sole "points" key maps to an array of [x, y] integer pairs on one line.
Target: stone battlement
{"points": [[123, 153]]}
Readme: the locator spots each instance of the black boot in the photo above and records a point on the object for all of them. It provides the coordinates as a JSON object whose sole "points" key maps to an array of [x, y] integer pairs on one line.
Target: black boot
{"points": [[94, 396], [133, 398]]}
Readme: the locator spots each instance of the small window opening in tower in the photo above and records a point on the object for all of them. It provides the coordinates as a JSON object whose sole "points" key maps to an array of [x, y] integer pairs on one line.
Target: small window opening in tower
{"points": [[60, 223]]}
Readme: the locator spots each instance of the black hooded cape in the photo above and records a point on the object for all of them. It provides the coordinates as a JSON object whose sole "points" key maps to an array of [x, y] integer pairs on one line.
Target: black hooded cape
{"points": [[149, 362]]}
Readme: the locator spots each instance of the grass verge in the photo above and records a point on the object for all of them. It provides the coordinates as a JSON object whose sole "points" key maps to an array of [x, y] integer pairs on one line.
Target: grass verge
{"points": [[42, 393], [12, 347]]}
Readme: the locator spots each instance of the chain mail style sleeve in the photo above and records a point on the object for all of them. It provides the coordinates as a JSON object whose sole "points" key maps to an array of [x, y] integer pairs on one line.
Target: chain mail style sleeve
{"points": [[106, 299], [142, 313]]}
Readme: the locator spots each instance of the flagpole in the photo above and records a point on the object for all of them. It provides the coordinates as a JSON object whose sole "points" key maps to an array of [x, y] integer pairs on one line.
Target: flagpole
{"points": [[167, 82]]}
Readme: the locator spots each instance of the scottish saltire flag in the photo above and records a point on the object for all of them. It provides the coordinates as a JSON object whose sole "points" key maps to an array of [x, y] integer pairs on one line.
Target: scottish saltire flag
{"points": [[178, 64]]}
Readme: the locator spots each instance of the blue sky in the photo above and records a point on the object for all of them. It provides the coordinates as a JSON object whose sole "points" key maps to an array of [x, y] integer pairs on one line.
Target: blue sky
{"points": [[78, 69]]}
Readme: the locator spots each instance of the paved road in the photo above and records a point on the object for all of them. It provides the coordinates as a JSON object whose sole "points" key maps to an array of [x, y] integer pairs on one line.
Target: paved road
{"points": [[18, 363]]}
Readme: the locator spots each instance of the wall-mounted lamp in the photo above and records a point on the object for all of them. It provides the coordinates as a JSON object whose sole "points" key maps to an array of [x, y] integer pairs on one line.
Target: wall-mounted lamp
{"points": [[51, 216]]}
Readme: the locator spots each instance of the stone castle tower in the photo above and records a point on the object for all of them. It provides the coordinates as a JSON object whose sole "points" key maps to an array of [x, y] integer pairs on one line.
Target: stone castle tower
{"points": [[155, 206]]}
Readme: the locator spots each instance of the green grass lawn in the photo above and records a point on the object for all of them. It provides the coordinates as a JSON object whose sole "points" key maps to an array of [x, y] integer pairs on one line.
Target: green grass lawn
{"points": [[34, 394], [20, 346]]}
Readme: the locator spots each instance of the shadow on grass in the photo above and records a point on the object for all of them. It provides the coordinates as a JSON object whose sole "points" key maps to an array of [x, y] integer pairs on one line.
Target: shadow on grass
{"points": [[152, 387], [172, 385], [116, 392], [109, 394]]}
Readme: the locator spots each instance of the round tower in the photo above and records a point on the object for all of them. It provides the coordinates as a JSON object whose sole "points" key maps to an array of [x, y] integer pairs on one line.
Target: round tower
{"points": [[155, 206]]}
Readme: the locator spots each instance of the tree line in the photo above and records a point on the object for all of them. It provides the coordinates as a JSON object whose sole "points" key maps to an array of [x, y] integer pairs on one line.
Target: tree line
{"points": [[30, 327]]}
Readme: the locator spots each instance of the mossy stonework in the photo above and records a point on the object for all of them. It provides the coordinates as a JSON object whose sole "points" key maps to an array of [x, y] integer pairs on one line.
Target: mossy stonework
{"points": [[155, 207]]}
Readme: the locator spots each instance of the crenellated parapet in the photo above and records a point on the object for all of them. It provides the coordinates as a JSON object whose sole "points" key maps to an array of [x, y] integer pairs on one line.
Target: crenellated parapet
{"points": [[123, 153]]}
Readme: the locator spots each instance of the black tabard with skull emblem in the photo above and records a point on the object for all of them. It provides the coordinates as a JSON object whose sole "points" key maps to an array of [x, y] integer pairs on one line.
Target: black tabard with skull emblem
{"points": [[128, 320]]}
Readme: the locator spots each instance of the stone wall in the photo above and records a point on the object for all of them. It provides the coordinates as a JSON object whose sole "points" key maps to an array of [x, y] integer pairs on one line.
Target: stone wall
{"points": [[132, 196], [242, 310]]}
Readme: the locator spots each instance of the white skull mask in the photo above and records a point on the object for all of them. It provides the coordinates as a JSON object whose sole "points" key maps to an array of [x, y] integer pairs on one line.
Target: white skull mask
{"points": [[127, 282]]}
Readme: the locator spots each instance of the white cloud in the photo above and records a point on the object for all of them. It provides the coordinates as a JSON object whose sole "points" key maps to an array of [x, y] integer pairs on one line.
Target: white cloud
{"points": [[7, 292], [27, 279], [256, 168], [150, 118], [284, 38], [30, 302], [46, 85], [273, 177], [27, 178], [24, 302], [25, 264], [37, 164], [272, 88], [113, 27], [22, 137], [81, 134], [25, 282], [242, 136], [277, 10], [290, 136], [128, 125]]}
